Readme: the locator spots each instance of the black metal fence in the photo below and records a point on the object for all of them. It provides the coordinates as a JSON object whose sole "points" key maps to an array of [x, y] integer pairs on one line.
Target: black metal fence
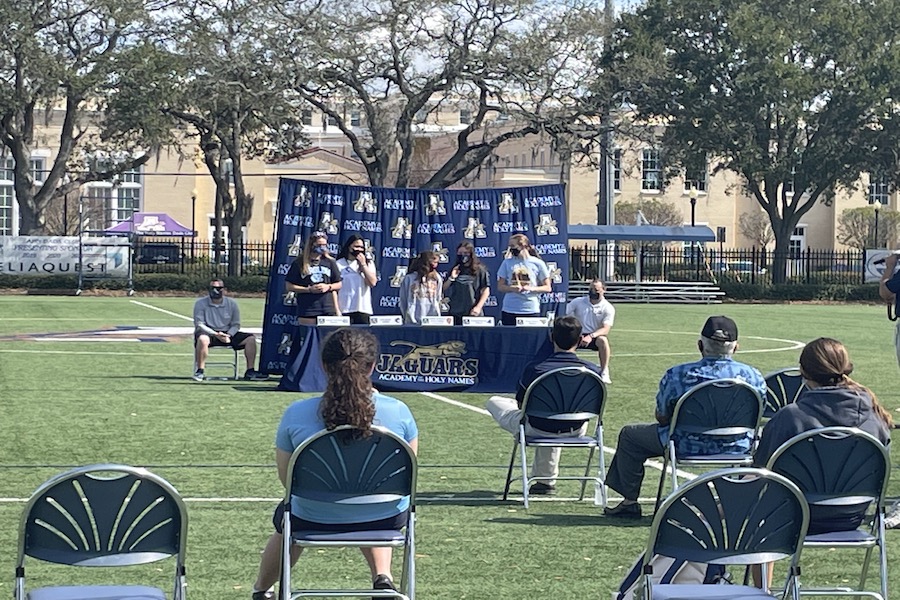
{"points": [[652, 263]]}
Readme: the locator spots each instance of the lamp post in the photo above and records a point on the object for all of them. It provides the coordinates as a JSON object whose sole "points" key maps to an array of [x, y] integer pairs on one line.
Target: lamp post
{"points": [[692, 194], [193, 222], [877, 209]]}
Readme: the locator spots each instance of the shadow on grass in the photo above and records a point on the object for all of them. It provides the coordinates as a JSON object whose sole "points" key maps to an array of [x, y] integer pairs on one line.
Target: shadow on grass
{"points": [[237, 384], [472, 498], [563, 520]]}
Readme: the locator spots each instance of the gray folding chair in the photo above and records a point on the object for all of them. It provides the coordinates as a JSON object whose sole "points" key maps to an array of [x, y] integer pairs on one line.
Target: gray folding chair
{"points": [[843, 472], [723, 411], [574, 394], [737, 516], [103, 515], [343, 467], [783, 387], [220, 361]]}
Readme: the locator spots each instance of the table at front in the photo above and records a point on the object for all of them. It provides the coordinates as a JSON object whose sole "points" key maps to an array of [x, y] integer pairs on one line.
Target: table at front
{"points": [[413, 358]]}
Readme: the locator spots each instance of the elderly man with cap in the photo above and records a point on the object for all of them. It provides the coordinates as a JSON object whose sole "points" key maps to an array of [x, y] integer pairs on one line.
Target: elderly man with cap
{"points": [[637, 443]]}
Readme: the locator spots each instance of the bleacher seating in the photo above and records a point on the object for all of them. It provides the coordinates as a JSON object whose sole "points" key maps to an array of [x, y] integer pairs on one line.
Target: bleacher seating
{"points": [[657, 292]]}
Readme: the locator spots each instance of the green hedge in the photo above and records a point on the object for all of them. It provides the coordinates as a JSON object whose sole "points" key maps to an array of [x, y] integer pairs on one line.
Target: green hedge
{"points": [[143, 282], [837, 292]]}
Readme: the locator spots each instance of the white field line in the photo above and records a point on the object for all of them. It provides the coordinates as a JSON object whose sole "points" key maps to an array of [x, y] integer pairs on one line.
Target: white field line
{"points": [[162, 310], [650, 463], [93, 352]]}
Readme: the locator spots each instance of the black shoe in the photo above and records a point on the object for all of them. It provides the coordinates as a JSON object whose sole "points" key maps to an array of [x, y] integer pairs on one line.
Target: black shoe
{"points": [[382, 582], [266, 595], [541, 489], [251, 375], [624, 511]]}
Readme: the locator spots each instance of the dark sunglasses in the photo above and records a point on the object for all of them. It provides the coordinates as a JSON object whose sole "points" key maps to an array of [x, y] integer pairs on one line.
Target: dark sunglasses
{"points": [[217, 287]]}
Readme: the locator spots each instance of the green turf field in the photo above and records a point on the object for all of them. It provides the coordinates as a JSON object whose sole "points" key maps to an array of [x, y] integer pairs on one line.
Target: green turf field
{"points": [[67, 401]]}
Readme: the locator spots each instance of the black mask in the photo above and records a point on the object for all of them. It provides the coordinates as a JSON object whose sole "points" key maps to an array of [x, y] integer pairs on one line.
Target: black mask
{"points": [[215, 293], [514, 251], [594, 295], [463, 259]]}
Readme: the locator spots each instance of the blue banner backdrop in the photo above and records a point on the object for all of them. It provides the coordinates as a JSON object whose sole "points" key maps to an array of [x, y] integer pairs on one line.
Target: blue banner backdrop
{"points": [[399, 223]]}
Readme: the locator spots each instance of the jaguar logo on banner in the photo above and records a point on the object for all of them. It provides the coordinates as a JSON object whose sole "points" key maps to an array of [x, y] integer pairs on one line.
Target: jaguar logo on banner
{"points": [[439, 364]]}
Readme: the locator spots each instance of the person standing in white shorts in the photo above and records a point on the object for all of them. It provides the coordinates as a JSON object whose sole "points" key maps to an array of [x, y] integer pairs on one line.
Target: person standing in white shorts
{"points": [[596, 315]]}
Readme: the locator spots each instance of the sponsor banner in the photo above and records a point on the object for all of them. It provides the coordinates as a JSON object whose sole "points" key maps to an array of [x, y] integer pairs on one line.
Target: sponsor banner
{"points": [[38, 255], [397, 224], [412, 358]]}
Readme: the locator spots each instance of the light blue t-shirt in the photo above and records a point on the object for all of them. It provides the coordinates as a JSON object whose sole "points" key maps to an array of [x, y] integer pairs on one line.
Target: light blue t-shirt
{"points": [[527, 271], [302, 420]]}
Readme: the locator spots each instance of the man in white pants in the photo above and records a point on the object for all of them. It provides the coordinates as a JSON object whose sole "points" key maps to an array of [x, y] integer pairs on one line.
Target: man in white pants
{"points": [[596, 315], [508, 411]]}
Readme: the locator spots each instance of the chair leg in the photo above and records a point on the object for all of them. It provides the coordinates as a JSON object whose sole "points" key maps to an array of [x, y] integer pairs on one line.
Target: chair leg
{"points": [[662, 481], [409, 558], [523, 451], [512, 460], [587, 473], [882, 555]]}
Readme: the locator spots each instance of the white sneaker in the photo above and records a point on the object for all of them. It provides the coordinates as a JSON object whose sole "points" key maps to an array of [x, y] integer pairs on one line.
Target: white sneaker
{"points": [[604, 376], [892, 516], [198, 375]]}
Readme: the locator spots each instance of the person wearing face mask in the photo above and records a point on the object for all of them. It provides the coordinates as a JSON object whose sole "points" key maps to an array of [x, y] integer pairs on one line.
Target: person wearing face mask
{"points": [[522, 278], [217, 322], [596, 315], [468, 286], [315, 279], [421, 289], [358, 277]]}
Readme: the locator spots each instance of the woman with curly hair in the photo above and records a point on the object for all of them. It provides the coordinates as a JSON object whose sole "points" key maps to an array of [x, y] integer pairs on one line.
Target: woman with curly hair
{"points": [[348, 358], [421, 290]]}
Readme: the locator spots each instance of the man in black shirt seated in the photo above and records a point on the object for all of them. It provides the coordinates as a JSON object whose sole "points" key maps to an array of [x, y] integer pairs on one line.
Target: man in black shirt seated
{"points": [[507, 412]]}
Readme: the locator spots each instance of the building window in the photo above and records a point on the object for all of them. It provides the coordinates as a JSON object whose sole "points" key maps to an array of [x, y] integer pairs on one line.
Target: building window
{"points": [[465, 116], [38, 170], [306, 116], [695, 178], [879, 189], [354, 118], [651, 170], [6, 208], [106, 204], [617, 169], [330, 121]]}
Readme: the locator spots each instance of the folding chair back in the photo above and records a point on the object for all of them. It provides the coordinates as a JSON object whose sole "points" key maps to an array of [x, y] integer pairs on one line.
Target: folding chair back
{"points": [[345, 467], [103, 515], [843, 472], [783, 387], [737, 516], [575, 394], [724, 410]]}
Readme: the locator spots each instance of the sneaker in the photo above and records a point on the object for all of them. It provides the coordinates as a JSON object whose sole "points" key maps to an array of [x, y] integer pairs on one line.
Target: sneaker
{"points": [[198, 375], [381, 582], [892, 516], [604, 376], [251, 375], [266, 595], [624, 511], [541, 489]]}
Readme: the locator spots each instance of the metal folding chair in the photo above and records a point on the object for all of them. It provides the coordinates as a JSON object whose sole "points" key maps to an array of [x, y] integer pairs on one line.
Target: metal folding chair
{"points": [[103, 515], [567, 394], [723, 409], [843, 472], [737, 516], [230, 364], [783, 387], [342, 467]]}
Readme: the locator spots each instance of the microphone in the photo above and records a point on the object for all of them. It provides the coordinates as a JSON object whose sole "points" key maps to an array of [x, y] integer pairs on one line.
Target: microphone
{"points": [[880, 261]]}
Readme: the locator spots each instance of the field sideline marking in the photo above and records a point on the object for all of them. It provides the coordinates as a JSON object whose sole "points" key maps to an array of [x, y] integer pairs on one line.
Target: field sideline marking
{"points": [[162, 310], [650, 463]]}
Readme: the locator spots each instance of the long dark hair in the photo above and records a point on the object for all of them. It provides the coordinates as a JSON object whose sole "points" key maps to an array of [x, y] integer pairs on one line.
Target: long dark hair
{"points": [[421, 265], [475, 264], [348, 356], [306, 258], [345, 249], [827, 362]]}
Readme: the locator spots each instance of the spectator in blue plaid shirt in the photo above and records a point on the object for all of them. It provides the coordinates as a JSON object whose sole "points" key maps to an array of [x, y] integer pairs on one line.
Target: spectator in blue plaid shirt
{"points": [[637, 443]]}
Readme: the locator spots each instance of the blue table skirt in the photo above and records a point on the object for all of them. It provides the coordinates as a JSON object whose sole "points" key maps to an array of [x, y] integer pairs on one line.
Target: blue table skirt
{"points": [[413, 358]]}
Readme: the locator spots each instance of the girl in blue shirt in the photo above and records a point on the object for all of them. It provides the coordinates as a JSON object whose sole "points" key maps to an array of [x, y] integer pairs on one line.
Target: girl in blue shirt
{"points": [[348, 358]]}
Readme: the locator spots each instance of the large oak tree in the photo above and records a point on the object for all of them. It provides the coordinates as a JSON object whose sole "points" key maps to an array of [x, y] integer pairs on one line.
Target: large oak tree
{"points": [[799, 97]]}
